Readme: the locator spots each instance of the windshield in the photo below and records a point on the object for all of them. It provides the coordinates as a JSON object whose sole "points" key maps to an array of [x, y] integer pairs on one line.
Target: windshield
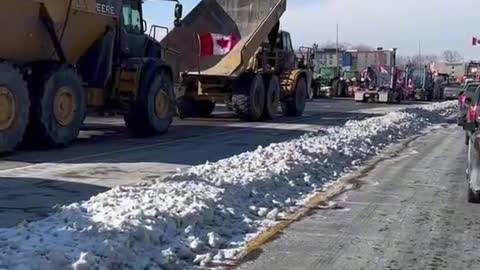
{"points": [[327, 73], [131, 17], [454, 85], [350, 75], [418, 77], [472, 87]]}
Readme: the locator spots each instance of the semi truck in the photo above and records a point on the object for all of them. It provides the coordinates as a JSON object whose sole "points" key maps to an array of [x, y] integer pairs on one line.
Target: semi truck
{"points": [[379, 81], [62, 59], [260, 74]]}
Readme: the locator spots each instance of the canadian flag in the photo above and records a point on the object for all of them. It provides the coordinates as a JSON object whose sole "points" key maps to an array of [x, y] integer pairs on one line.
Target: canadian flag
{"points": [[216, 44], [475, 41], [381, 69]]}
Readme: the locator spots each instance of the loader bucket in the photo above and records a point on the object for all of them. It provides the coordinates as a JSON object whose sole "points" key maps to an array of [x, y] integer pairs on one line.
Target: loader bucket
{"points": [[77, 24], [249, 20]]}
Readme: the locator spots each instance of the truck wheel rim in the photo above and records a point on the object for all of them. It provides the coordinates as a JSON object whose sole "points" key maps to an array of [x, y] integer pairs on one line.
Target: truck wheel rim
{"points": [[7, 108], [161, 104], [64, 106]]}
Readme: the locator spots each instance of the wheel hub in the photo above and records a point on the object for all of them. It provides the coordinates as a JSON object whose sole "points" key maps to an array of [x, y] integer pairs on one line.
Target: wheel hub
{"points": [[64, 106], [161, 104], [7, 108]]}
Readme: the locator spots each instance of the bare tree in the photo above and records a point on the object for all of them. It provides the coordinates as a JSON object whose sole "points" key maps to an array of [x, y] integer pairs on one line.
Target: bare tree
{"points": [[452, 56], [403, 61], [423, 60], [430, 58]]}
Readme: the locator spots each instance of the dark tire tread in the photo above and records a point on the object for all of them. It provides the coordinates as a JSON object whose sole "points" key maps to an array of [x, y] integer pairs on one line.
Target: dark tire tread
{"points": [[43, 130], [141, 120], [272, 97], [11, 137], [291, 107], [204, 108], [242, 101], [472, 196]]}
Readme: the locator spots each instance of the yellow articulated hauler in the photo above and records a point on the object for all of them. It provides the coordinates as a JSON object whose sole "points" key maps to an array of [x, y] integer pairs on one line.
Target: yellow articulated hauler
{"points": [[62, 58], [260, 73]]}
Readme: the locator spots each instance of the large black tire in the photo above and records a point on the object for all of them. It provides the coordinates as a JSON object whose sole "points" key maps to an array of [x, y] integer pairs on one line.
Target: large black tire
{"points": [[316, 91], [296, 105], [272, 97], [430, 95], [14, 107], [228, 103], [472, 196], [152, 112], [398, 96], [58, 107], [189, 107], [204, 108], [185, 107], [248, 97]]}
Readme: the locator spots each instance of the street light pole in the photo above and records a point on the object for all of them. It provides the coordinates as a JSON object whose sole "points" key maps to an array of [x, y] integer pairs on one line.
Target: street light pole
{"points": [[337, 52]]}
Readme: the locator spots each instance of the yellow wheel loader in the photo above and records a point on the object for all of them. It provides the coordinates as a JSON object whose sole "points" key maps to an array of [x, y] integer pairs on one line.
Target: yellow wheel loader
{"points": [[62, 59]]}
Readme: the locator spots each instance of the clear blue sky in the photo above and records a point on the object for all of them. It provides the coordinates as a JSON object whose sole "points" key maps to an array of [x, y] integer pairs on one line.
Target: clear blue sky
{"points": [[161, 12], [436, 24]]}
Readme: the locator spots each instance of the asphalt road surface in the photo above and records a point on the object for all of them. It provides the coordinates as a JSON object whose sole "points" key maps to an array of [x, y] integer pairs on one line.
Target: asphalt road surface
{"points": [[32, 182], [410, 212]]}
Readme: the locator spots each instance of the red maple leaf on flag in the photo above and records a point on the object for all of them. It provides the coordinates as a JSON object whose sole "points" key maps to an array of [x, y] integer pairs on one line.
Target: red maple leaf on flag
{"points": [[223, 43], [215, 44]]}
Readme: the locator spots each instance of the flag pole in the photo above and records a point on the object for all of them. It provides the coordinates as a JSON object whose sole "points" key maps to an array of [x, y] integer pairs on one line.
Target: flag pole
{"points": [[197, 44]]}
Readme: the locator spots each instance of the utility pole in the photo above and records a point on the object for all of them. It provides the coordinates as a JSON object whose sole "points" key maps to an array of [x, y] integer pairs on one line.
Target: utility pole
{"points": [[337, 52], [420, 52]]}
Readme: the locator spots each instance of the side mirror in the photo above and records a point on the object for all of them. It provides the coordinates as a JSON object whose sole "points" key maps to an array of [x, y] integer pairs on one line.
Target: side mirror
{"points": [[177, 23], [144, 25], [178, 11]]}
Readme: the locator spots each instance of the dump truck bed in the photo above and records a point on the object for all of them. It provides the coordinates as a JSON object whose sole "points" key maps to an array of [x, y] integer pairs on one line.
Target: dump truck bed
{"points": [[249, 20], [77, 24]]}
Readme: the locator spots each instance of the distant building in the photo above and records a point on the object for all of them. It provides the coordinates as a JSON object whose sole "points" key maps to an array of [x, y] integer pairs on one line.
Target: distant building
{"points": [[353, 59], [361, 59], [328, 57]]}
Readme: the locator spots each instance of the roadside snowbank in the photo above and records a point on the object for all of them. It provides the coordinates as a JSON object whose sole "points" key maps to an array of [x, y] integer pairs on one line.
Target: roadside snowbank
{"points": [[205, 215]]}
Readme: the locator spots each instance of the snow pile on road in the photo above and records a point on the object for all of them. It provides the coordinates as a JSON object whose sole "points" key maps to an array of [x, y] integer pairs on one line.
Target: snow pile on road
{"points": [[205, 215]]}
